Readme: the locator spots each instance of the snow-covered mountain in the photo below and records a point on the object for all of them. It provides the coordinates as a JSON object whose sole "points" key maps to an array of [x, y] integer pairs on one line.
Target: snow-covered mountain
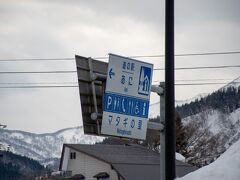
{"points": [[225, 126], [44, 147], [187, 101], [213, 123], [221, 128], [235, 84], [226, 167], [218, 119], [154, 109]]}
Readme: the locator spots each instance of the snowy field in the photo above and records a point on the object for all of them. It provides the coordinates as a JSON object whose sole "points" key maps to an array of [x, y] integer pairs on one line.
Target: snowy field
{"points": [[226, 167]]}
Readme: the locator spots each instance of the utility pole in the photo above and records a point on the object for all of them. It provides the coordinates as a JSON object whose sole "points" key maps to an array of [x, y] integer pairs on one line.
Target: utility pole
{"points": [[169, 92]]}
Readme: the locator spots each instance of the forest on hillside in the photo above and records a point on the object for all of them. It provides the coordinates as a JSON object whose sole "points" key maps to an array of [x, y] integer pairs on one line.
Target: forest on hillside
{"points": [[223, 100], [17, 167]]}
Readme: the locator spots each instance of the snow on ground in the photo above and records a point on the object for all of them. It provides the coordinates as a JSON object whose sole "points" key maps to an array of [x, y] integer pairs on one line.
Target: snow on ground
{"points": [[215, 119], [211, 117], [68, 134], [226, 167], [180, 157], [17, 135], [235, 116]]}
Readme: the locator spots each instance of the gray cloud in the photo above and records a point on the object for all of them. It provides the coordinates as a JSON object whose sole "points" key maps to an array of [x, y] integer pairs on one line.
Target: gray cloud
{"points": [[59, 28]]}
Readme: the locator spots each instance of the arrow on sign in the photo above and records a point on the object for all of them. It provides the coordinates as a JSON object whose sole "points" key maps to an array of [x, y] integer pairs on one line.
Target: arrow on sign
{"points": [[111, 73]]}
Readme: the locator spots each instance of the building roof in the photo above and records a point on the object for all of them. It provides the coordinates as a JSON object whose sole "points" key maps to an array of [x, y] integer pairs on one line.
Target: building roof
{"points": [[130, 161], [77, 177], [101, 175]]}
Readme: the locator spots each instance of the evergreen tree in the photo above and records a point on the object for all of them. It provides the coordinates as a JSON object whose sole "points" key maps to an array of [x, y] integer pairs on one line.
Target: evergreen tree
{"points": [[13, 166], [225, 101], [9, 171]]}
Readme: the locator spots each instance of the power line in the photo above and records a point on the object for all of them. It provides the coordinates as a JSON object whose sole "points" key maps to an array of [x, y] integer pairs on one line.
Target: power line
{"points": [[20, 87], [26, 83], [74, 83], [134, 56], [37, 59], [201, 67], [49, 83], [186, 80], [197, 84], [157, 69], [189, 54], [35, 72], [74, 86], [209, 53]]}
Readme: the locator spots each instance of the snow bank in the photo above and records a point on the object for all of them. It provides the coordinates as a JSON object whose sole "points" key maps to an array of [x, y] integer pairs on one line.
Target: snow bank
{"points": [[226, 167], [180, 157]]}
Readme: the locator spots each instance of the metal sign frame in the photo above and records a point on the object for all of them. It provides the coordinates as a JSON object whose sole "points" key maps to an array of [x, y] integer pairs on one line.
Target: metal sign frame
{"points": [[92, 75], [91, 79]]}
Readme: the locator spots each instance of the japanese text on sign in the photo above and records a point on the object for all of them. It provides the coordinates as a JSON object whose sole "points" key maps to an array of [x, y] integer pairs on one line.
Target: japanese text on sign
{"points": [[126, 99]]}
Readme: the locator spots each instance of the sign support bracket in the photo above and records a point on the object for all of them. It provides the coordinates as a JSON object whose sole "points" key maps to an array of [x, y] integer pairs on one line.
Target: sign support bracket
{"points": [[160, 90], [162, 134], [93, 115]]}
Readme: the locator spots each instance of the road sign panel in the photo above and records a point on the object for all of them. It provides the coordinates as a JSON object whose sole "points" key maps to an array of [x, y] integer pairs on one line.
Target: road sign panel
{"points": [[88, 91], [126, 99]]}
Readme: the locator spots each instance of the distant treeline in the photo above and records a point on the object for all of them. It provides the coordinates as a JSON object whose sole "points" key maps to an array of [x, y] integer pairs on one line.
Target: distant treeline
{"points": [[13, 166], [223, 100], [9, 171]]}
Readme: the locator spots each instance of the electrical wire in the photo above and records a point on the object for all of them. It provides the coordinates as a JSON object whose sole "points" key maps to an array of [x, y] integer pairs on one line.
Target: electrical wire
{"points": [[201, 67], [37, 59], [74, 86], [186, 80], [35, 72], [134, 56], [157, 69], [26, 83], [70, 82], [197, 84], [18, 87]]}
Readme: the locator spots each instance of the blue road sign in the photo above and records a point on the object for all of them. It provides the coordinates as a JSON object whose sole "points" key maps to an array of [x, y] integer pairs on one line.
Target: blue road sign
{"points": [[126, 99], [144, 84]]}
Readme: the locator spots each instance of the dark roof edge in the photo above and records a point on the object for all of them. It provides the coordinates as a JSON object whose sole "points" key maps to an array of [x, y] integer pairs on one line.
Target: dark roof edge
{"points": [[138, 163], [61, 160], [69, 146], [103, 160], [112, 166], [186, 165], [180, 165]]}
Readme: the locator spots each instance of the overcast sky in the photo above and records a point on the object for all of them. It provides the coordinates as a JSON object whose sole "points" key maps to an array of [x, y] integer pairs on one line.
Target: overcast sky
{"points": [[60, 28]]}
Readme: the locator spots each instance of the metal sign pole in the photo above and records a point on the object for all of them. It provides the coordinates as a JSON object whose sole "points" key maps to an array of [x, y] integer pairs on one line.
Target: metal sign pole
{"points": [[169, 92], [162, 134], [94, 94], [160, 90]]}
